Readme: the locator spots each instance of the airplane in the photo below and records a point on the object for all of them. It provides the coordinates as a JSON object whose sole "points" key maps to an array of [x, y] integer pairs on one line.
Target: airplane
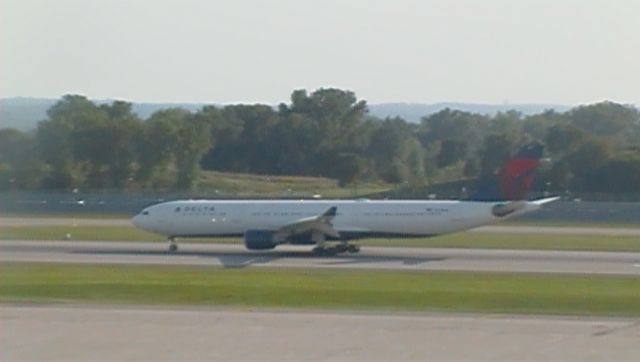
{"points": [[331, 225]]}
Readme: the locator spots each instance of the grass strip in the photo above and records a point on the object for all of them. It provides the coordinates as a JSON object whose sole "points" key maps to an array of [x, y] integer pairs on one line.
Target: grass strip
{"points": [[571, 223], [325, 289], [460, 240]]}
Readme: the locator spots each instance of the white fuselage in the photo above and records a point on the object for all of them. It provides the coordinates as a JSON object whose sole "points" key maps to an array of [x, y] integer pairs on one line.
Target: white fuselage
{"points": [[354, 218]]}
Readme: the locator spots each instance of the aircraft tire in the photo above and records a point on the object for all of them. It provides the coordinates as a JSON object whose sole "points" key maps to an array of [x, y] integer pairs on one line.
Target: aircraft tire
{"points": [[325, 251]]}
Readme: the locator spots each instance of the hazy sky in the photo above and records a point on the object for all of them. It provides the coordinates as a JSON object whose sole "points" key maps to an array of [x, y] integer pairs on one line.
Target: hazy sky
{"points": [[485, 51]]}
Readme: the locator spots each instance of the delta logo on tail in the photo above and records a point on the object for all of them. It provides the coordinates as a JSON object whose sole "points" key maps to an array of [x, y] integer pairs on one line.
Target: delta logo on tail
{"points": [[516, 176], [514, 179]]}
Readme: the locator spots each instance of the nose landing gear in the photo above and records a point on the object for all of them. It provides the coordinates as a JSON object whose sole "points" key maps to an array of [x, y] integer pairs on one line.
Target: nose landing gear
{"points": [[173, 246]]}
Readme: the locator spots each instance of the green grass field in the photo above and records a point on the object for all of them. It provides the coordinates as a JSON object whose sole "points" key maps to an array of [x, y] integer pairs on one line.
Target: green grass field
{"points": [[239, 184], [309, 288], [564, 223], [460, 240]]}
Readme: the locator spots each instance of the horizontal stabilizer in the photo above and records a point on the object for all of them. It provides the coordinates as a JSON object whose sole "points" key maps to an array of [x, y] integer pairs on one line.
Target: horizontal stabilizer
{"points": [[547, 200], [509, 208], [502, 210]]}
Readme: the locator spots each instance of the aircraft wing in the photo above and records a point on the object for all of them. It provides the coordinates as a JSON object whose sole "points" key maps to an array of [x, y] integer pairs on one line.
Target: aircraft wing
{"points": [[320, 223]]}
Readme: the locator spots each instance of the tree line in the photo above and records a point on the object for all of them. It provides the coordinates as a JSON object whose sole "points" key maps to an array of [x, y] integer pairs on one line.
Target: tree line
{"points": [[328, 132]]}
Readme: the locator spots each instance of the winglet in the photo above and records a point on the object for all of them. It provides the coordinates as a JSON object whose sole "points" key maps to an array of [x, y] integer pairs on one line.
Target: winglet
{"points": [[330, 213]]}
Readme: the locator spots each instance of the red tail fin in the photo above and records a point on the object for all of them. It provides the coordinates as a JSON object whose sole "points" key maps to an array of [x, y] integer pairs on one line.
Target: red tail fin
{"points": [[516, 176]]}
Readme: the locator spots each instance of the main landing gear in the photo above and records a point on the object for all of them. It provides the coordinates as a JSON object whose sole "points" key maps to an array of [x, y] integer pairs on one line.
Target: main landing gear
{"points": [[337, 249], [322, 249], [173, 246]]}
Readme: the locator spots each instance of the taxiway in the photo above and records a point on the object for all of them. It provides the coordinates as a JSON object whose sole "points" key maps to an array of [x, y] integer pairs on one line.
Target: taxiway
{"points": [[144, 333]]}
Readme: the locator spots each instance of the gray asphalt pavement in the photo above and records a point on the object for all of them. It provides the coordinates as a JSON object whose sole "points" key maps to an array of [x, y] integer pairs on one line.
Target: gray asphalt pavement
{"points": [[82, 333], [235, 256]]}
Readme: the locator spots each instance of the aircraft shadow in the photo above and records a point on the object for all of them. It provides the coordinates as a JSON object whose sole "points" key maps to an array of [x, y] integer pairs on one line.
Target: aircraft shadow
{"points": [[230, 259]]}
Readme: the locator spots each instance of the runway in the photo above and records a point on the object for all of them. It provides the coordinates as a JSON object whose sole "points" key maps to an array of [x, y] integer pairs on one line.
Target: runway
{"points": [[386, 258], [138, 333], [82, 332]]}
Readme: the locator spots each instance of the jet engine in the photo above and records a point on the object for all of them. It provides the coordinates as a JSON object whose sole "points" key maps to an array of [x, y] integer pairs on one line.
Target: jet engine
{"points": [[259, 240]]}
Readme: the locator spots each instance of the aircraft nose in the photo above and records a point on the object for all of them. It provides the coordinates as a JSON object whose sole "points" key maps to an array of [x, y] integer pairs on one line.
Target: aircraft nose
{"points": [[136, 221], [141, 221]]}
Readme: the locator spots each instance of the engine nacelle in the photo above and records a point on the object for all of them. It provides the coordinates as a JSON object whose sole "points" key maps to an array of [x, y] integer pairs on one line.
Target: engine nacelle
{"points": [[259, 240]]}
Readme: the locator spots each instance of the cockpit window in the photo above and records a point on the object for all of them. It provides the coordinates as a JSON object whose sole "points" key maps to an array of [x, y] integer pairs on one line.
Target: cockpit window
{"points": [[145, 212]]}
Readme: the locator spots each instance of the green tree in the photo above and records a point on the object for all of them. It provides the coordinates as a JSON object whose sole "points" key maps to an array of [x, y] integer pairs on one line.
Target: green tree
{"points": [[605, 119], [584, 162], [241, 138], [558, 176], [174, 134], [347, 168], [395, 151], [338, 114], [56, 142], [537, 125], [155, 147], [106, 142], [562, 139], [455, 125], [509, 122], [450, 136], [294, 146], [617, 175], [19, 165], [451, 151], [497, 148], [193, 140], [471, 167]]}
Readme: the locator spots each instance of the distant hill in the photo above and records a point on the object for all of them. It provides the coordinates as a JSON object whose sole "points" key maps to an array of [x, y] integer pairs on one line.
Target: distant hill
{"points": [[24, 113]]}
